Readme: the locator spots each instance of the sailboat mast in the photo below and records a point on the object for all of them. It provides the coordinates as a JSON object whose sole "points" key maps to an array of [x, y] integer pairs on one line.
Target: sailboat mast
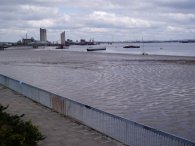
{"points": [[143, 45]]}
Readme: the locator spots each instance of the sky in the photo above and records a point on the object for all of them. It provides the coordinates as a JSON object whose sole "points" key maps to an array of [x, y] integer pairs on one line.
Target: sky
{"points": [[101, 20]]}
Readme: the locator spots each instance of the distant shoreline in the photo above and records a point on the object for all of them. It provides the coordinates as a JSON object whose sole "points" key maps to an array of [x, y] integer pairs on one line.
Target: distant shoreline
{"points": [[117, 56]]}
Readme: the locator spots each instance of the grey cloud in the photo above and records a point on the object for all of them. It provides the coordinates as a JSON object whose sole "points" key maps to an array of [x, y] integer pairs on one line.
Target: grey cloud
{"points": [[182, 6], [29, 2]]}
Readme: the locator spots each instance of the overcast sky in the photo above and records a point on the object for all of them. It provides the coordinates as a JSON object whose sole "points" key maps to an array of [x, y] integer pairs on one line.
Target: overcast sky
{"points": [[109, 20]]}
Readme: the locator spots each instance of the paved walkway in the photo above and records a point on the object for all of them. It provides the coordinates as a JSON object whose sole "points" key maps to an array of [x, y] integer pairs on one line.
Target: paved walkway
{"points": [[60, 130]]}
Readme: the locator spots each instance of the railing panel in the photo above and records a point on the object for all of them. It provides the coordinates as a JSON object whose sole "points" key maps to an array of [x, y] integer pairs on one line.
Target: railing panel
{"points": [[45, 98], [2, 80], [26, 90], [34, 94], [74, 110], [58, 103], [14, 85]]}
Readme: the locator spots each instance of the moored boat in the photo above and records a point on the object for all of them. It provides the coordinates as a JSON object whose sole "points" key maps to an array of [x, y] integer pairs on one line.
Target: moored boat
{"points": [[131, 46], [96, 49]]}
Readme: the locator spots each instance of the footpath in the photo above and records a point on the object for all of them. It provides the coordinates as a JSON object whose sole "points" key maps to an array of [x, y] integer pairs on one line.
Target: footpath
{"points": [[59, 130]]}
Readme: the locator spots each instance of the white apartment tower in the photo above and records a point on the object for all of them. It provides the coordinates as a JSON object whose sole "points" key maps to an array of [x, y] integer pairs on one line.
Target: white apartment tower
{"points": [[43, 35], [63, 38]]}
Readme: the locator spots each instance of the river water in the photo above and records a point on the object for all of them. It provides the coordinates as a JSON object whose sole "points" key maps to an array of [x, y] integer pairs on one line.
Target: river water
{"points": [[178, 49], [171, 49], [158, 91]]}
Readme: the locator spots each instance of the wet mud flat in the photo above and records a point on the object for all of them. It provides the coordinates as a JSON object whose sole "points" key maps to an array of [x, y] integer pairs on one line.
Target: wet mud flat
{"points": [[157, 91]]}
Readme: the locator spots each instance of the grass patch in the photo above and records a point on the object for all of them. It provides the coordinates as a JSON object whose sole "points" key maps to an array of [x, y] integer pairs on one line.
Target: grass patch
{"points": [[16, 132]]}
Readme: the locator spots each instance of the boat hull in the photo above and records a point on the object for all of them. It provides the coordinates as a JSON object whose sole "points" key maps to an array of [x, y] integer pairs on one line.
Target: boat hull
{"points": [[95, 49], [130, 46]]}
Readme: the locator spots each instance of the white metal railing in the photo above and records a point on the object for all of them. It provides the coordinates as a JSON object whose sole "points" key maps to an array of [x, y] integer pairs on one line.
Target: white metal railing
{"points": [[123, 130]]}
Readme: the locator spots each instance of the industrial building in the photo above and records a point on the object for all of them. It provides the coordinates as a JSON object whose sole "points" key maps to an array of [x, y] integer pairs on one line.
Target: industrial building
{"points": [[26, 41], [43, 35]]}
